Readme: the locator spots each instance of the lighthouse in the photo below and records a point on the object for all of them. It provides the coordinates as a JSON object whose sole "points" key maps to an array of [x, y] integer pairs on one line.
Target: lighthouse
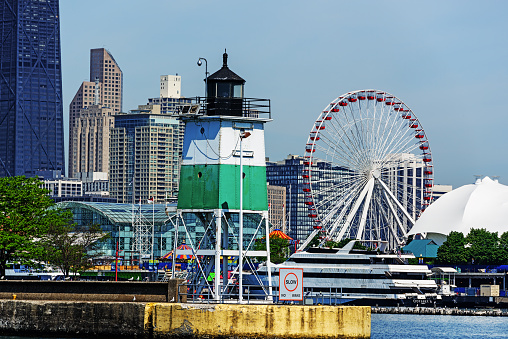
{"points": [[223, 173]]}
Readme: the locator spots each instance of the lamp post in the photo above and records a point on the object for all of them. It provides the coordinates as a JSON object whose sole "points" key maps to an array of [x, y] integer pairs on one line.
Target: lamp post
{"points": [[243, 135], [206, 73]]}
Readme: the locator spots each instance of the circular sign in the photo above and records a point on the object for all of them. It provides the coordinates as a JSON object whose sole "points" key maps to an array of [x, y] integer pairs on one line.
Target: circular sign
{"points": [[291, 282]]}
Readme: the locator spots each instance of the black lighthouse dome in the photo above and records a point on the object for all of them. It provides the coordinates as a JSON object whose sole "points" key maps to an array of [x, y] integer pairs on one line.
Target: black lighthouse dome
{"points": [[225, 91]]}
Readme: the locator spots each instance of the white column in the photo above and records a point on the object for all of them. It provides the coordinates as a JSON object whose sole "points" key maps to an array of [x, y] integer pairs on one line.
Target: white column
{"points": [[218, 229], [240, 229], [268, 263]]}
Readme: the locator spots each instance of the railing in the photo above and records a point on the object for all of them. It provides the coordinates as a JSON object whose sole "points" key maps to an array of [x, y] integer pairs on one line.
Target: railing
{"points": [[254, 294], [241, 107]]}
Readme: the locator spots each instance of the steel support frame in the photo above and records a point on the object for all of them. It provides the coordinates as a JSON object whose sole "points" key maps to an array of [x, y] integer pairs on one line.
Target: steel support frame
{"points": [[218, 221]]}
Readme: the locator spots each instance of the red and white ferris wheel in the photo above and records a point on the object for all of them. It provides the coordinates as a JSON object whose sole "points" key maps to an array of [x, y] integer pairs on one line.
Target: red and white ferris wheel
{"points": [[368, 171]]}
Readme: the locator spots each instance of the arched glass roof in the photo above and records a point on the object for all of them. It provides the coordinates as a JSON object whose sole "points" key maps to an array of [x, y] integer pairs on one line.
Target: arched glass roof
{"points": [[123, 213]]}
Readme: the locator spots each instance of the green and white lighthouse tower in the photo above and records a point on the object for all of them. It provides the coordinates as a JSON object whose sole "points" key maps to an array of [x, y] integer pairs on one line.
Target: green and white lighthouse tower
{"points": [[223, 176]]}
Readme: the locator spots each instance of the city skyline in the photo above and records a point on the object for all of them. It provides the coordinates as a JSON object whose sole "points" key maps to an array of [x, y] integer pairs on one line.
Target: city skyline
{"points": [[444, 60]]}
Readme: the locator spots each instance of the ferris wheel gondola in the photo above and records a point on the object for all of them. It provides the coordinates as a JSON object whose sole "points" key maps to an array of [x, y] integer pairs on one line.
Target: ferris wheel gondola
{"points": [[368, 169]]}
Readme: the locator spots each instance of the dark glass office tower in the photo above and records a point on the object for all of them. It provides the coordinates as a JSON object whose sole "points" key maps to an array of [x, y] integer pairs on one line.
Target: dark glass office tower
{"points": [[31, 112]]}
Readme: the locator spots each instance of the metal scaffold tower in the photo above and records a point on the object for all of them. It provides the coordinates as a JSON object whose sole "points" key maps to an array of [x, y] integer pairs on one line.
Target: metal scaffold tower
{"points": [[143, 233]]}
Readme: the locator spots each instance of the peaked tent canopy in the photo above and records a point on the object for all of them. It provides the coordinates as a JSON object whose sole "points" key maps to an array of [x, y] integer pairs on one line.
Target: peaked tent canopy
{"points": [[480, 205], [181, 256], [278, 233]]}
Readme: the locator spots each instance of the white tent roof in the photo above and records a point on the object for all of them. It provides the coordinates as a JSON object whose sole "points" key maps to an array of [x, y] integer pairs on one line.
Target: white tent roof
{"points": [[480, 205]]}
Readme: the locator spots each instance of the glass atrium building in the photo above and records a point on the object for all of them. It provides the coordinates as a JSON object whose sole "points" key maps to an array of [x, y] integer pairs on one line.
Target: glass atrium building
{"points": [[120, 221]]}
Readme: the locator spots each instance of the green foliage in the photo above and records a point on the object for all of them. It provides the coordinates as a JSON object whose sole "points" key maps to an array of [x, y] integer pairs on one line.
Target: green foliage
{"points": [[279, 250], [315, 241], [503, 248], [452, 251], [357, 246], [485, 247], [71, 248], [24, 218]]}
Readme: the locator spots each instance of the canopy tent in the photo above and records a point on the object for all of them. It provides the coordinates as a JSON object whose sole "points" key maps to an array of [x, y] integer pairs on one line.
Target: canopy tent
{"points": [[278, 233], [480, 205], [180, 256]]}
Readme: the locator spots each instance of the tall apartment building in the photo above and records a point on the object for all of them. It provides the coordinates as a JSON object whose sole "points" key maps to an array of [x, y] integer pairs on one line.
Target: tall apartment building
{"points": [[144, 161], [31, 123], [288, 173], [277, 206], [91, 114]]}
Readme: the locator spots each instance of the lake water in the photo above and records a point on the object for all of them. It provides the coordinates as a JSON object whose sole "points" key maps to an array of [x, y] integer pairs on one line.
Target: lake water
{"points": [[437, 326]]}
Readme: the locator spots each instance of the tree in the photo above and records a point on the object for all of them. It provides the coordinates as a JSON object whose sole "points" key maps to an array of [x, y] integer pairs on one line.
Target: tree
{"points": [[483, 247], [25, 216], [503, 247], [357, 246], [72, 248], [452, 251], [279, 250]]}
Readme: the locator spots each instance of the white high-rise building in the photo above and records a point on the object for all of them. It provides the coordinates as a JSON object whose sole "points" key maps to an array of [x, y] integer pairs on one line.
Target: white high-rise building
{"points": [[171, 86]]}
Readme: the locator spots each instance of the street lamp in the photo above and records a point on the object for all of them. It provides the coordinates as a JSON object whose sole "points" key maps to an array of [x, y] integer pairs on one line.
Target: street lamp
{"points": [[243, 135], [206, 72]]}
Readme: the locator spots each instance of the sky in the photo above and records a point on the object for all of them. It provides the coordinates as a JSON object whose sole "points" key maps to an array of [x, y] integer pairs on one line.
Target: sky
{"points": [[446, 60]]}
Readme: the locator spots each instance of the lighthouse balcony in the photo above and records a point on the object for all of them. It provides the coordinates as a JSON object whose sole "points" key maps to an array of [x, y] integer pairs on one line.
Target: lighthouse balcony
{"points": [[236, 107]]}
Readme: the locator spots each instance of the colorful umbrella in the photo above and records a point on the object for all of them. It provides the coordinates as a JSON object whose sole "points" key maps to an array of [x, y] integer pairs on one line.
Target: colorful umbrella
{"points": [[180, 256], [278, 233]]}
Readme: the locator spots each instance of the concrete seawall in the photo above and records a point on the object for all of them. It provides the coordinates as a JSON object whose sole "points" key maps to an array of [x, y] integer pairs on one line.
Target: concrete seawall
{"points": [[258, 321], [171, 320]]}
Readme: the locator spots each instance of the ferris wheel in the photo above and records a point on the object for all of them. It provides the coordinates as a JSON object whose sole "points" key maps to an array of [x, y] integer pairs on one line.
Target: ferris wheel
{"points": [[368, 172]]}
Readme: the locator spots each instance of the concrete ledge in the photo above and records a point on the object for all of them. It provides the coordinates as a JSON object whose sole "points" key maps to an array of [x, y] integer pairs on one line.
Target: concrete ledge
{"points": [[72, 319], [255, 321], [93, 290]]}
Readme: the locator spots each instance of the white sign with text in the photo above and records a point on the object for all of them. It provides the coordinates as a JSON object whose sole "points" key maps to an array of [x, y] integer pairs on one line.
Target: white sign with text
{"points": [[291, 284]]}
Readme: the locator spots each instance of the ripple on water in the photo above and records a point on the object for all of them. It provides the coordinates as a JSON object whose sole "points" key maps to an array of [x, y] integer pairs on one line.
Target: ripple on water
{"points": [[437, 326]]}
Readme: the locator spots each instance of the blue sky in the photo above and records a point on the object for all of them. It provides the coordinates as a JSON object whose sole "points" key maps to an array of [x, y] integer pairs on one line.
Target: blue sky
{"points": [[447, 60]]}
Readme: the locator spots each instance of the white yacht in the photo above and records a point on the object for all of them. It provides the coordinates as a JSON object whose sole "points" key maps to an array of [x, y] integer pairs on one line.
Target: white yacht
{"points": [[17, 271], [337, 276]]}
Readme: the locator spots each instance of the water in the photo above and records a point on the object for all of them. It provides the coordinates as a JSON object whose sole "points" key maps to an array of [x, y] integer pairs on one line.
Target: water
{"points": [[437, 326]]}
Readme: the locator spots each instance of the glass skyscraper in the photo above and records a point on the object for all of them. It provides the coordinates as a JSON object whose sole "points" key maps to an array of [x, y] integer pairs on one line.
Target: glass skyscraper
{"points": [[31, 112]]}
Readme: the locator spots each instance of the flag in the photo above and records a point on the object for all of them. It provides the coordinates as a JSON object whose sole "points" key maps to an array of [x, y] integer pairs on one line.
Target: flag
{"points": [[150, 201]]}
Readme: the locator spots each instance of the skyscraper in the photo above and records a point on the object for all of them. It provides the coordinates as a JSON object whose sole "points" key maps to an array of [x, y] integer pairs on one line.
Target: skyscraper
{"points": [[31, 112], [91, 114], [143, 156]]}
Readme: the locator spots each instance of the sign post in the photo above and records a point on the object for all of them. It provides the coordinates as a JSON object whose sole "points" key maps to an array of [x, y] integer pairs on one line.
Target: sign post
{"points": [[291, 284]]}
